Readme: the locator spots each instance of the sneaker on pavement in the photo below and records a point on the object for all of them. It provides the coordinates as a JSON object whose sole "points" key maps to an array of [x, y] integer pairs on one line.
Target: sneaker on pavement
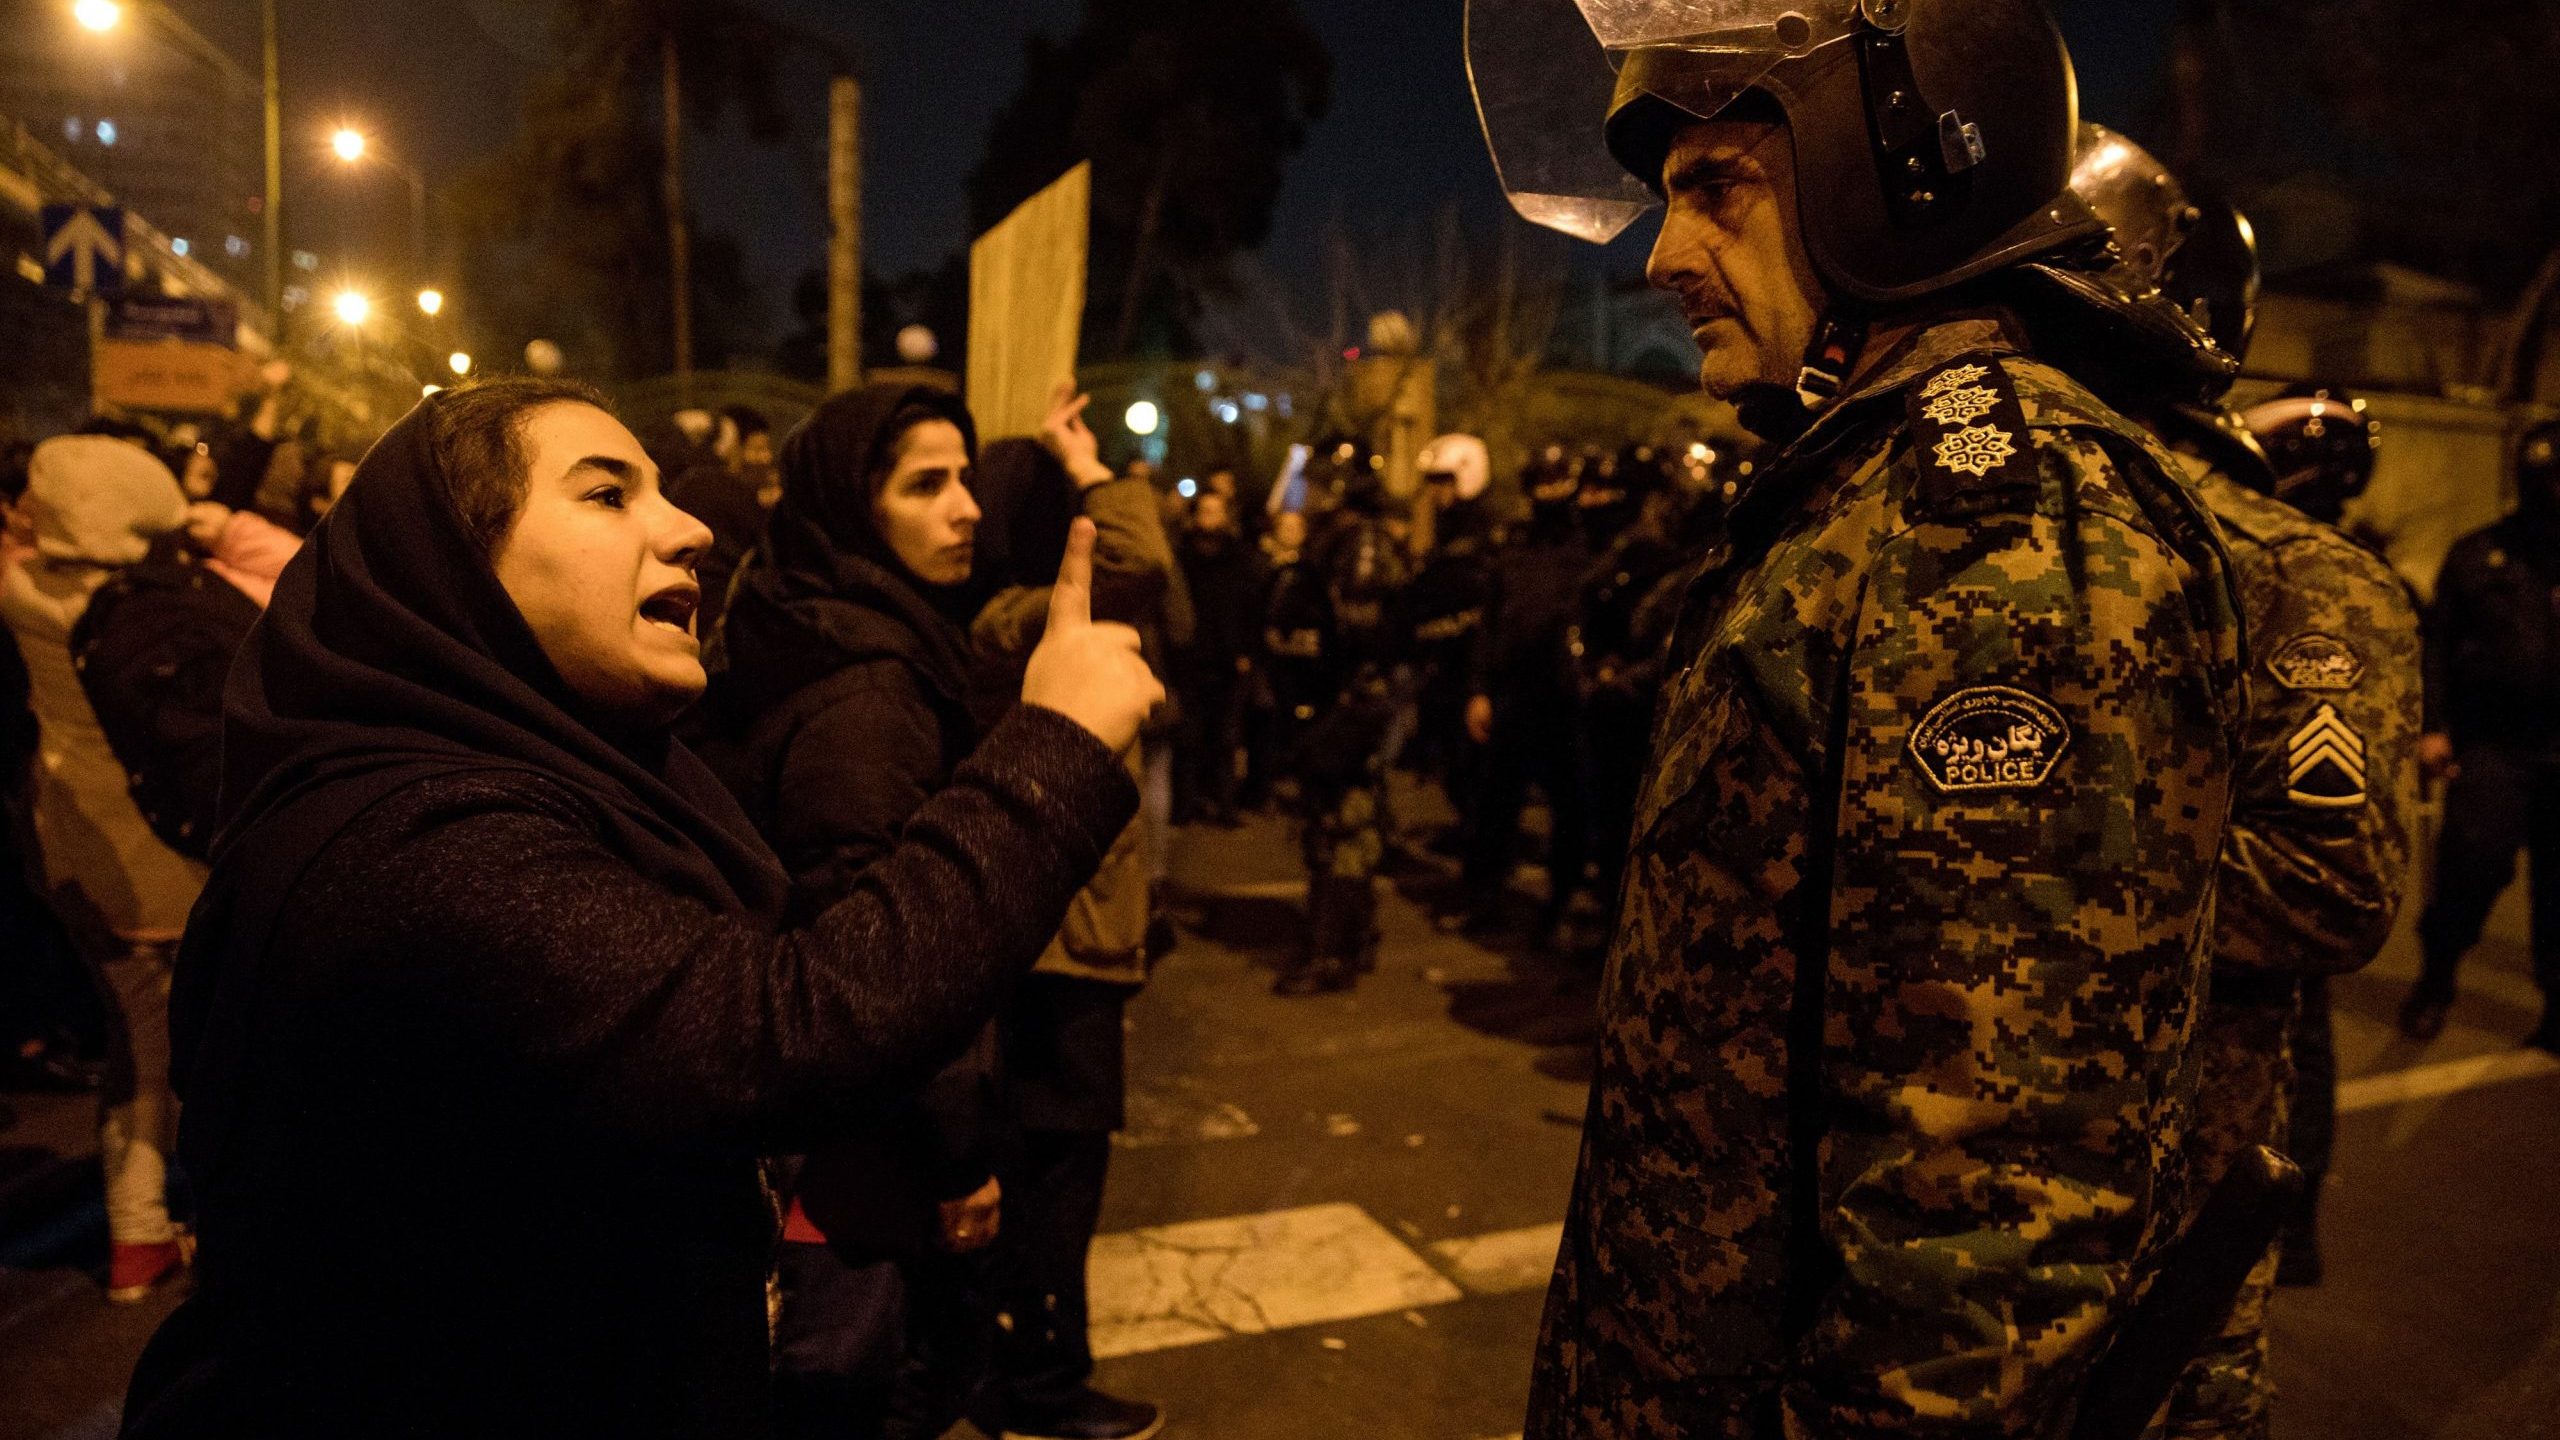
{"points": [[2422, 1017], [1092, 1415]]}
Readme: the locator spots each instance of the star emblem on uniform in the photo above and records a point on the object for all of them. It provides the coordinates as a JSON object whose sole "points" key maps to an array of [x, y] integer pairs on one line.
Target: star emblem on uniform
{"points": [[1976, 451], [1961, 406], [1947, 380]]}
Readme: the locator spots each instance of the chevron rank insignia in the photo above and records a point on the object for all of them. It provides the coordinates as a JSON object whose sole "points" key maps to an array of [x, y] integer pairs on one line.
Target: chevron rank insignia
{"points": [[2325, 764], [1968, 431], [2316, 662]]}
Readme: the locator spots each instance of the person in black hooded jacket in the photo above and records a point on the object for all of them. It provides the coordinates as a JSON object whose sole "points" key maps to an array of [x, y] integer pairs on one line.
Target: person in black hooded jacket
{"points": [[490, 1004], [843, 672]]}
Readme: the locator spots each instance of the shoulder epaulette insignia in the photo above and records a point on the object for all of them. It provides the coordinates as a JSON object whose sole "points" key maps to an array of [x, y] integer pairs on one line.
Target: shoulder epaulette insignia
{"points": [[1968, 430]]}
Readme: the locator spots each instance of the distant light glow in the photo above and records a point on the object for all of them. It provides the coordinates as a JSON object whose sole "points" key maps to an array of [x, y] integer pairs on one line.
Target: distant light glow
{"points": [[1257, 402], [235, 247], [1207, 380], [180, 245], [431, 301], [352, 307], [349, 143], [1227, 412], [107, 133], [458, 362], [1144, 418], [98, 15], [305, 260], [1187, 489], [72, 129]]}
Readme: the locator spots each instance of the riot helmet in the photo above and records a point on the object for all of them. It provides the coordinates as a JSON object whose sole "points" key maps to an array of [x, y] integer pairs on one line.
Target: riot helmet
{"points": [[1347, 475], [1460, 462], [2322, 444], [2199, 250], [1933, 139]]}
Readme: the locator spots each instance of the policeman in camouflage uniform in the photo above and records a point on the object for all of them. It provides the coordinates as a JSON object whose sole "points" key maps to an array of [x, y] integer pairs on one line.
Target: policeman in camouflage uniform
{"points": [[1889, 1123], [1339, 762], [2318, 857]]}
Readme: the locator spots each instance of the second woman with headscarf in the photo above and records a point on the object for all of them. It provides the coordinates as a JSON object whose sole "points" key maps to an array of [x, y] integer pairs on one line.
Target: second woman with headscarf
{"points": [[842, 680]]}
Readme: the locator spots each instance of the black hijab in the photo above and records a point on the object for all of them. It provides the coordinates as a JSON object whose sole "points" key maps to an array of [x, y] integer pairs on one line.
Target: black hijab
{"points": [[826, 590], [392, 654], [1030, 502]]}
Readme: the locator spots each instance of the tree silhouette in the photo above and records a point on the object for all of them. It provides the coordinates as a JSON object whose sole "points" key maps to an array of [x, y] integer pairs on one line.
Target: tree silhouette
{"points": [[567, 228], [1189, 112]]}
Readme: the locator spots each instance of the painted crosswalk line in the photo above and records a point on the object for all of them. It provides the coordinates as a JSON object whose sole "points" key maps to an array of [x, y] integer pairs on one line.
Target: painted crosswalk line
{"points": [[1504, 1262], [1206, 1280], [2428, 1082]]}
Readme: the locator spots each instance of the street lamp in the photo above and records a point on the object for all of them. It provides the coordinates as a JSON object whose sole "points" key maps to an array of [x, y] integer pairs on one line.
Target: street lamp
{"points": [[1143, 418], [352, 146], [459, 363], [352, 307], [98, 15], [431, 301]]}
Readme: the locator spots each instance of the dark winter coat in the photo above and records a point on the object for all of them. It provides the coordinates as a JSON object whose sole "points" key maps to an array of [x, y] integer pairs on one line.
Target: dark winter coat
{"points": [[846, 682], [2493, 636], [487, 1013]]}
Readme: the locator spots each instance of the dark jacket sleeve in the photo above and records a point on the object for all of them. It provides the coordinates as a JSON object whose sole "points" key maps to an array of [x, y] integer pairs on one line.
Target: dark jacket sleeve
{"points": [[850, 780], [518, 955]]}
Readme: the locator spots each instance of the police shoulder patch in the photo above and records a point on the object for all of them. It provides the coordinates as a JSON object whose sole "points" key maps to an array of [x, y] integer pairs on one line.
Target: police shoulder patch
{"points": [[1968, 430], [2316, 662], [1989, 737]]}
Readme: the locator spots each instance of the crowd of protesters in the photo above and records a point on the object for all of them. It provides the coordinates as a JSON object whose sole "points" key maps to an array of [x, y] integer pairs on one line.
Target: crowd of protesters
{"points": [[738, 854]]}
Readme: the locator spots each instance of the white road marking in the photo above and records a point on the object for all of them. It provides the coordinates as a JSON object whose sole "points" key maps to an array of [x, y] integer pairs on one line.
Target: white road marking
{"points": [[1205, 1280], [1504, 1262], [2428, 1082]]}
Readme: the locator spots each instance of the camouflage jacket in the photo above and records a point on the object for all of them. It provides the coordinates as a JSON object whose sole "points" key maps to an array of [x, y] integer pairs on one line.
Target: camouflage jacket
{"points": [[2319, 854], [1887, 1124]]}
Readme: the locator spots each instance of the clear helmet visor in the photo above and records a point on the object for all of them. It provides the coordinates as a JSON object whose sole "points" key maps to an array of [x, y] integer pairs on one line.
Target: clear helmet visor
{"points": [[1548, 73]]}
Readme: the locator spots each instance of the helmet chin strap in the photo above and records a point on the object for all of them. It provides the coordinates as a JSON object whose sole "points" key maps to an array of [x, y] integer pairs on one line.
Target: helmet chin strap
{"points": [[1777, 414]]}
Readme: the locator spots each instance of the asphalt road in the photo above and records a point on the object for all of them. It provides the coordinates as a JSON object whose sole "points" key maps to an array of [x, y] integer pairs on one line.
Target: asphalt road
{"points": [[1334, 1217]]}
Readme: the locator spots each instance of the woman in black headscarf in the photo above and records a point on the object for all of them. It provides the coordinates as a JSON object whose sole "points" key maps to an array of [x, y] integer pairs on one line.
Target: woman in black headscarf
{"points": [[488, 1005], [842, 692]]}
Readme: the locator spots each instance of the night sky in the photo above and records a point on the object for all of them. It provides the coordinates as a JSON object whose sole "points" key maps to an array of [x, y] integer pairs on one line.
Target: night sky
{"points": [[439, 82]]}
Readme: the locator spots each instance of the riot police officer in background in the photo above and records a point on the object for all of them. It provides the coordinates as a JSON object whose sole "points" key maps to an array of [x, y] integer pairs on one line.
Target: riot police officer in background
{"points": [[2493, 656], [1445, 607], [1616, 662], [1354, 575], [1893, 1050], [2322, 446], [2317, 860], [1522, 710]]}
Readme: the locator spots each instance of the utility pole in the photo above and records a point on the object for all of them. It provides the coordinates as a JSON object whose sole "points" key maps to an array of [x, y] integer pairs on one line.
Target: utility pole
{"points": [[679, 240], [844, 249], [273, 207]]}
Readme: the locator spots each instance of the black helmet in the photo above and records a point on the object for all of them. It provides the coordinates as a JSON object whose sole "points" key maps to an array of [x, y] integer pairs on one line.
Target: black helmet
{"points": [[1933, 138], [2199, 251], [1348, 475], [2214, 277], [2322, 444], [1553, 476]]}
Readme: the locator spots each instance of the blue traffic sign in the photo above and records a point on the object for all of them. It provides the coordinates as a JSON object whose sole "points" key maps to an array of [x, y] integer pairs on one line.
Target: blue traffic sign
{"points": [[84, 248]]}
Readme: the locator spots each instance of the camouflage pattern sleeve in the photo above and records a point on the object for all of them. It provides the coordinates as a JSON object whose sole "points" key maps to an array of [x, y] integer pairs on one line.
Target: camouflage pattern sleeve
{"points": [[2035, 769], [2319, 854]]}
